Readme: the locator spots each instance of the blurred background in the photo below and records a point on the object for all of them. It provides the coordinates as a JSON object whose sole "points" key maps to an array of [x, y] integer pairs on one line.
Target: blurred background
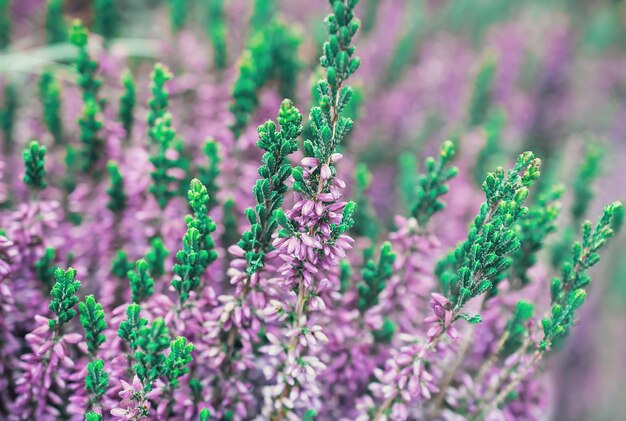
{"points": [[497, 77]]}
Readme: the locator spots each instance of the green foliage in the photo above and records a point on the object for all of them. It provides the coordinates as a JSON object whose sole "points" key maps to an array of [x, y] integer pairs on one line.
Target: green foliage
{"points": [[569, 292], [384, 335], [128, 100], [141, 283], [71, 169], [205, 414], [120, 265], [407, 47], [8, 114], [92, 416], [116, 191], [178, 14], [309, 415], [44, 268], [271, 54], [583, 184], [130, 328], [96, 381], [432, 185], [56, 27], [90, 124], [160, 96], [90, 121], [230, 223], [50, 96], [155, 257], [151, 342], [85, 66], [589, 170], [198, 202], [92, 320], [208, 175], [517, 328], [270, 189], [262, 13], [375, 277], [5, 24], [490, 152], [367, 224], [407, 179], [478, 264], [63, 297], [345, 276], [192, 262], [34, 166], [175, 365], [481, 95], [163, 135], [105, 18], [534, 228], [218, 33]]}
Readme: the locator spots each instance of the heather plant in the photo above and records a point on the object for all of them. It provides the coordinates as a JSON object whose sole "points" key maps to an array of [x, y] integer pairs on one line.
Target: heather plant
{"points": [[240, 259]]}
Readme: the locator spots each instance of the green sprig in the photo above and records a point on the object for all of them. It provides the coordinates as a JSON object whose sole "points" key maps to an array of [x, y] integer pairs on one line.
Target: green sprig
{"points": [[177, 362], [270, 189], [5, 24], [375, 277], [208, 175], [151, 342], [160, 96], [106, 18], [44, 267], [120, 264], [161, 188], [50, 96], [200, 220], [481, 95], [477, 265], [35, 169], [128, 100], [63, 297], [218, 33], [178, 14], [516, 328], [141, 283], [534, 228], [56, 27], [90, 124], [96, 382], [116, 192], [130, 328], [92, 416], [92, 320], [569, 292], [432, 185], [155, 257], [270, 55]]}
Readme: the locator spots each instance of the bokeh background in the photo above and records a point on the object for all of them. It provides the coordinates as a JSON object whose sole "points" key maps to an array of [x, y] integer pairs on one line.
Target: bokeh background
{"points": [[559, 88]]}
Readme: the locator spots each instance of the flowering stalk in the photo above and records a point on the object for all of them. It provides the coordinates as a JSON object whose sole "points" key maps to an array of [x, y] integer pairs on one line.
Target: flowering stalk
{"points": [[313, 235]]}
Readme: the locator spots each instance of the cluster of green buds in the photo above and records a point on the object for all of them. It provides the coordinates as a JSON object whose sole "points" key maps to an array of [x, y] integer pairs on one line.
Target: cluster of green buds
{"points": [[271, 54], [198, 246], [534, 228], [105, 18], [92, 320], [270, 189], [516, 329], [208, 175], [56, 27], [91, 119], [96, 382], [432, 185], [116, 192], [50, 97], [218, 33], [569, 292], [34, 167], [477, 264], [141, 283], [375, 277], [128, 100], [63, 297], [480, 101]]}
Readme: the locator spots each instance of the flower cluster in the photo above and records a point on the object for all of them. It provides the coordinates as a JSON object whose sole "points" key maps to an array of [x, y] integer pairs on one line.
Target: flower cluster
{"points": [[178, 241]]}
